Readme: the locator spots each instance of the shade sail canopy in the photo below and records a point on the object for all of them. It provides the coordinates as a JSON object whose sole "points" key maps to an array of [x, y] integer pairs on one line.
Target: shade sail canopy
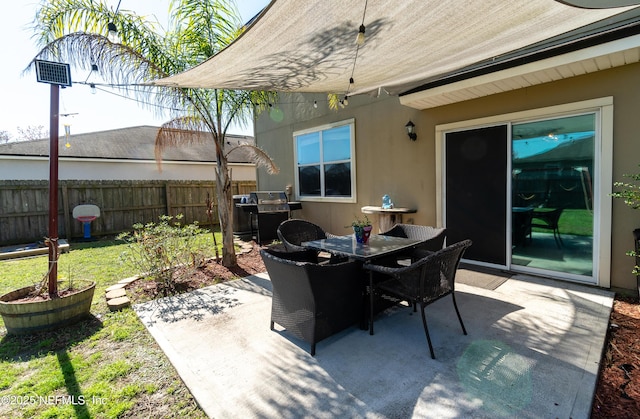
{"points": [[309, 46]]}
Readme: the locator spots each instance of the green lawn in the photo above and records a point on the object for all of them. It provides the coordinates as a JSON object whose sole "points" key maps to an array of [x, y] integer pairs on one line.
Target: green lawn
{"points": [[578, 222], [106, 367]]}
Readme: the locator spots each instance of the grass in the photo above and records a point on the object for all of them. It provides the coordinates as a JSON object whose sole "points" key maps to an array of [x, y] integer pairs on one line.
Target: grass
{"points": [[108, 366], [577, 222]]}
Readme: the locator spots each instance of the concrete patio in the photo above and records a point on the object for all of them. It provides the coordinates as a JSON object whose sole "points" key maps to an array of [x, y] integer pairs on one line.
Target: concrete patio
{"points": [[533, 351]]}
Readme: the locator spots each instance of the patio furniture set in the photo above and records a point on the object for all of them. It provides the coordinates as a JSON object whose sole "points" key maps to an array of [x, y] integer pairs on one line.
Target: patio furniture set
{"points": [[323, 284]]}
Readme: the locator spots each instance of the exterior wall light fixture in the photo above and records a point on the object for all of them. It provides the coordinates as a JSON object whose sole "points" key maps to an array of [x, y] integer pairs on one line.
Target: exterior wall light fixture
{"points": [[411, 130]]}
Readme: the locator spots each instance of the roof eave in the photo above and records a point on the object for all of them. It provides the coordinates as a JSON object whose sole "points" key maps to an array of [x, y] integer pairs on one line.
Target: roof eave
{"points": [[530, 66]]}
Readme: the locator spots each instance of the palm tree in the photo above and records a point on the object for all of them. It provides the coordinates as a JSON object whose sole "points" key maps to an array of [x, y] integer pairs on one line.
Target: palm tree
{"points": [[76, 32]]}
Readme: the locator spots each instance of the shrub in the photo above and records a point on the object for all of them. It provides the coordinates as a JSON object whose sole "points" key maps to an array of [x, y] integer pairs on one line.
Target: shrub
{"points": [[166, 252], [630, 193]]}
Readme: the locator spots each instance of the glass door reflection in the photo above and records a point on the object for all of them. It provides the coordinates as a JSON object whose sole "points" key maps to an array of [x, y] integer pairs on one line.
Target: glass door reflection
{"points": [[552, 195]]}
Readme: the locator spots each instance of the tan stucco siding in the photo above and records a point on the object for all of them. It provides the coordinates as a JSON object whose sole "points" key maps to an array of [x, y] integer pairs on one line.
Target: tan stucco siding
{"points": [[388, 162]]}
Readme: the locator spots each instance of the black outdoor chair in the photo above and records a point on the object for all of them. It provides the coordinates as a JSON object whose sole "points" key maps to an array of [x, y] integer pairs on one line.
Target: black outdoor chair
{"points": [[548, 220], [432, 237], [313, 301], [292, 233], [424, 281]]}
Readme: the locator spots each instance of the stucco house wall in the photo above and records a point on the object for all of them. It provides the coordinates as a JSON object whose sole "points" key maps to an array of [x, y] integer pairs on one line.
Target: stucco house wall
{"points": [[388, 162], [37, 168]]}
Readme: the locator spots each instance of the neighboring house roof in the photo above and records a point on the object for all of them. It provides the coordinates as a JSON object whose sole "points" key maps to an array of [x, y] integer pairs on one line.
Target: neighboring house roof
{"points": [[133, 143], [309, 46]]}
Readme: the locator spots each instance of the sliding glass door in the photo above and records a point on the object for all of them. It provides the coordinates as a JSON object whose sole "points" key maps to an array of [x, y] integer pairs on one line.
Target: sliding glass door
{"points": [[524, 193]]}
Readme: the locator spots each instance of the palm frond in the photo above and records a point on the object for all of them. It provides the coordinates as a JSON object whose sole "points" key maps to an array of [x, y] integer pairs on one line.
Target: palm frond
{"points": [[120, 66], [258, 156], [182, 132], [195, 17], [117, 63]]}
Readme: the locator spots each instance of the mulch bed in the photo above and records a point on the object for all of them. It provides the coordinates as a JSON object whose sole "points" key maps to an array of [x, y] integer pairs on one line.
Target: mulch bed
{"points": [[618, 391], [249, 263]]}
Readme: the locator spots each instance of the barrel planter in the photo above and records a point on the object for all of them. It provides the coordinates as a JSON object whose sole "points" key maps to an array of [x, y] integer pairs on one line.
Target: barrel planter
{"points": [[22, 318]]}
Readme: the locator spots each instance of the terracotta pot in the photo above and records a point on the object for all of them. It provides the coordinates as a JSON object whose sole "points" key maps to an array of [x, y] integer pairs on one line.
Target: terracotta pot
{"points": [[28, 317]]}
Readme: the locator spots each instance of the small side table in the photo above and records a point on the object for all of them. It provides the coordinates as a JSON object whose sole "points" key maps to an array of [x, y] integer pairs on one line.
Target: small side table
{"points": [[387, 217]]}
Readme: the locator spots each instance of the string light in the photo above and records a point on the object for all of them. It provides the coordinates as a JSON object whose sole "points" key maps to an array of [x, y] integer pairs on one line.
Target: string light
{"points": [[360, 36], [113, 32], [98, 86], [359, 42], [111, 27]]}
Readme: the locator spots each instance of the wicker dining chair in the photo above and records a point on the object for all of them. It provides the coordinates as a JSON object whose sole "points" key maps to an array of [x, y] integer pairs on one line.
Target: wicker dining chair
{"points": [[293, 232], [548, 220], [424, 281], [432, 238], [313, 301]]}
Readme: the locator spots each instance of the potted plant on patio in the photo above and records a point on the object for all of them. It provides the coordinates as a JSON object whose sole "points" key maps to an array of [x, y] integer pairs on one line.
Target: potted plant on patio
{"points": [[362, 229]]}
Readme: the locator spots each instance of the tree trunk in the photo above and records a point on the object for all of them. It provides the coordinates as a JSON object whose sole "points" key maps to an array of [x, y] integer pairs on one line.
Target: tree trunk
{"points": [[225, 213]]}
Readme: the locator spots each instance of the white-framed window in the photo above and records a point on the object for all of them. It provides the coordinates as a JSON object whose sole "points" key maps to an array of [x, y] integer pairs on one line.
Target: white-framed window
{"points": [[325, 162]]}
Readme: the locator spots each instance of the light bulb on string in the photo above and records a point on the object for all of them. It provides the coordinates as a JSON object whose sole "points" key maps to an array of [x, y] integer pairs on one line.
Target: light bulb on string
{"points": [[93, 88], [360, 37], [113, 32], [111, 27]]}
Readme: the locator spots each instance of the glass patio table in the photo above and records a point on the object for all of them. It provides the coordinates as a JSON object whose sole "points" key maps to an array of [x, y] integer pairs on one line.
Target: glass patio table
{"points": [[378, 246]]}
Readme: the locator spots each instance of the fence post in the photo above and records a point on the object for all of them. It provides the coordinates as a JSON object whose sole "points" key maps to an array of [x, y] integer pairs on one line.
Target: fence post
{"points": [[65, 208], [167, 193]]}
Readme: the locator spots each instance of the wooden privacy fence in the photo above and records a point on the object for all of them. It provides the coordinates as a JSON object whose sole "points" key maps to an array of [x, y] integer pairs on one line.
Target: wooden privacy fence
{"points": [[24, 205]]}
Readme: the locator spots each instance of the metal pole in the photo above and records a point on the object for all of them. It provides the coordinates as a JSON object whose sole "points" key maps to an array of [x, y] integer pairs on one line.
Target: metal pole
{"points": [[52, 241]]}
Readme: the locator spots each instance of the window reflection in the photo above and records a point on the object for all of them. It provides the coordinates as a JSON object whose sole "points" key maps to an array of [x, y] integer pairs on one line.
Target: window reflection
{"points": [[552, 194]]}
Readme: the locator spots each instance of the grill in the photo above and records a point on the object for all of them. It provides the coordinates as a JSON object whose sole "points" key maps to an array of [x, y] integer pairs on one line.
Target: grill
{"points": [[267, 210]]}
